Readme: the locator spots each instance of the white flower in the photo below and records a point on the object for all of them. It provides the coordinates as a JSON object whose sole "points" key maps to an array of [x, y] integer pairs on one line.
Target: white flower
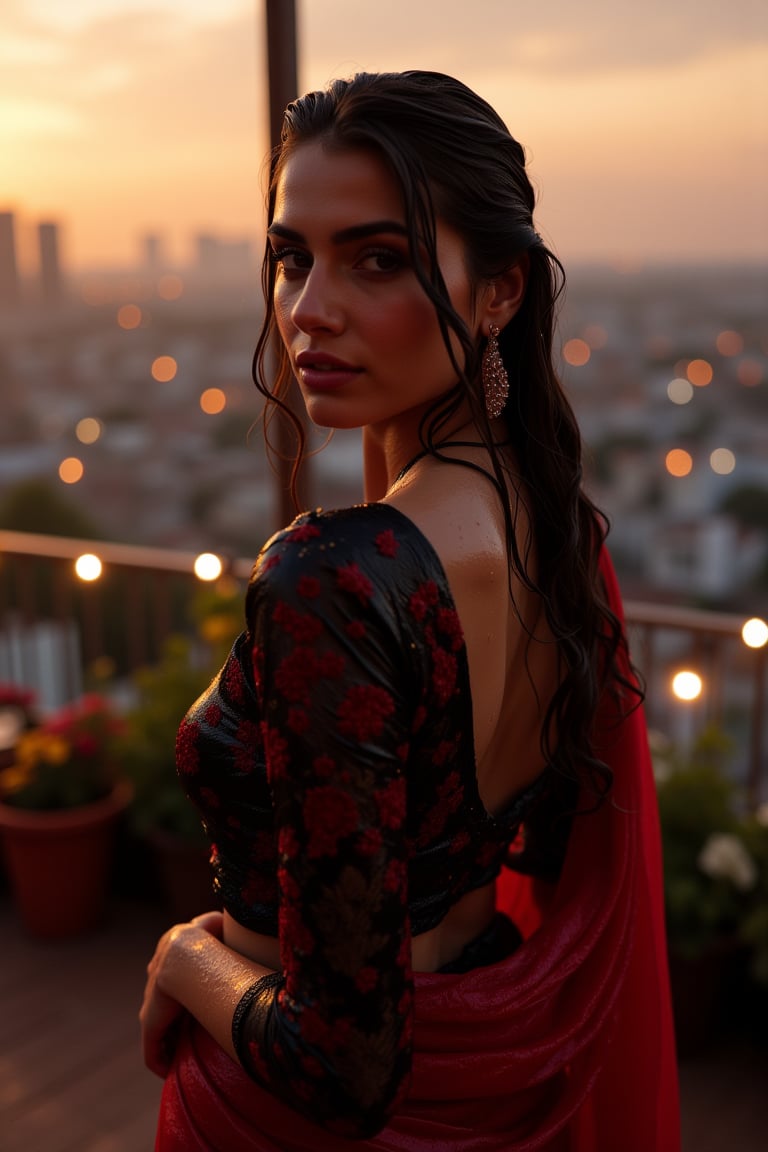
{"points": [[725, 855]]}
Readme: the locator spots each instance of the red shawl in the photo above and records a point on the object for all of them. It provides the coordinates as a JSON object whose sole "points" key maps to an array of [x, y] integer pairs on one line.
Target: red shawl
{"points": [[566, 1046]]}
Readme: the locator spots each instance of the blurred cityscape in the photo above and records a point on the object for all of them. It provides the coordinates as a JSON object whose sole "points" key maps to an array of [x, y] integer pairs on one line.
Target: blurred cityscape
{"points": [[128, 401]]}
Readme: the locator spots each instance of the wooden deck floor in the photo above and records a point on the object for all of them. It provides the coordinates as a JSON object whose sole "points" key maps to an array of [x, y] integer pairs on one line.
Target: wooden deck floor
{"points": [[71, 1077]]}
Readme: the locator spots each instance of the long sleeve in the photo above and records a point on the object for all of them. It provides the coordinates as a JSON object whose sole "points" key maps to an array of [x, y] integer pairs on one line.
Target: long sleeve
{"points": [[337, 697]]}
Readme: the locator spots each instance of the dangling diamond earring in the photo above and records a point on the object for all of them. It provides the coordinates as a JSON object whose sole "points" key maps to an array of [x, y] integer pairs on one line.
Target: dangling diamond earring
{"points": [[495, 379]]}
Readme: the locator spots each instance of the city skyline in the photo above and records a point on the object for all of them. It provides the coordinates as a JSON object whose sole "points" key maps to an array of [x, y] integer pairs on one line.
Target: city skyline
{"points": [[646, 133]]}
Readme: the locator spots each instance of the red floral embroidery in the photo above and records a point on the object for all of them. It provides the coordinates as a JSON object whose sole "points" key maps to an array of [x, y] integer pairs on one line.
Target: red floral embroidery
{"points": [[308, 587], [390, 802], [248, 743], [331, 665], [449, 624], [213, 715], [363, 711], [233, 681], [355, 629], [443, 675], [271, 563], [351, 579], [329, 815], [304, 532], [298, 720], [296, 674], [276, 751], [324, 766], [303, 628], [424, 598], [370, 842], [287, 842], [366, 979], [386, 543], [187, 751]]}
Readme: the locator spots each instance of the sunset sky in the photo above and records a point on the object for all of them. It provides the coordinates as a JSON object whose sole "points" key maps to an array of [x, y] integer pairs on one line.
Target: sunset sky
{"points": [[646, 123]]}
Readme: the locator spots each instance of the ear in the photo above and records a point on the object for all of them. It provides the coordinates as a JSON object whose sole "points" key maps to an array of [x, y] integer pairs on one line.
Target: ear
{"points": [[503, 296]]}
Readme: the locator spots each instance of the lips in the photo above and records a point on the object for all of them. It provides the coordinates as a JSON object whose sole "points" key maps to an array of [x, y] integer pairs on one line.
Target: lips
{"points": [[319, 371]]}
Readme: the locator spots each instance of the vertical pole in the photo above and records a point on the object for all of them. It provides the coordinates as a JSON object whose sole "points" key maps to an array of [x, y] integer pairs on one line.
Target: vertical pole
{"points": [[283, 87]]}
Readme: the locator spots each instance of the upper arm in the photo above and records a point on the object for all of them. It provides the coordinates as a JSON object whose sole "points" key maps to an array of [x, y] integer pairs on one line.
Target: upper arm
{"points": [[336, 708]]}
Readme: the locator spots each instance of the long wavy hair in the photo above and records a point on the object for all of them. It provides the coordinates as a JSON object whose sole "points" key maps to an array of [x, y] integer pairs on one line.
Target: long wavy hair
{"points": [[454, 158]]}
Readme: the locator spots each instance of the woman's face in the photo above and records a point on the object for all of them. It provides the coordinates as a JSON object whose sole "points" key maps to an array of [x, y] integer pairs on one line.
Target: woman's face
{"points": [[362, 335]]}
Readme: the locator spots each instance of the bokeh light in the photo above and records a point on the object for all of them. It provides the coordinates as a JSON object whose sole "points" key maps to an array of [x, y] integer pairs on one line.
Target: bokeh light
{"points": [[71, 470], [129, 316], [699, 372], [88, 430], [213, 401], [729, 343], [164, 368], [755, 633], [678, 462], [208, 566], [576, 352], [722, 461], [687, 685], [749, 373], [596, 336], [680, 391], [88, 566], [170, 286]]}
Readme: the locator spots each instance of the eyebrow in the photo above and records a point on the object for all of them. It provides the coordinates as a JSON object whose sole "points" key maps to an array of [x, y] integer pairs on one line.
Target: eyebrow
{"points": [[344, 235]]}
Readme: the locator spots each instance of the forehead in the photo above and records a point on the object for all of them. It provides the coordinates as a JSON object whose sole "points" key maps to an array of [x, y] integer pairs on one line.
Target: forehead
{"points": [[319, 184]]}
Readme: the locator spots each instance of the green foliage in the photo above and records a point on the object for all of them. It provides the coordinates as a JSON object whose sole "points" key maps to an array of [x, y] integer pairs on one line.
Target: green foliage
{"points": [[707, 868], [36, 506]]}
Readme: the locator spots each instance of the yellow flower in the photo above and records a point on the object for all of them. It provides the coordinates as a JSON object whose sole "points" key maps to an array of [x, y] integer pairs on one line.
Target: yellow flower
{"points": [[15, 778]]}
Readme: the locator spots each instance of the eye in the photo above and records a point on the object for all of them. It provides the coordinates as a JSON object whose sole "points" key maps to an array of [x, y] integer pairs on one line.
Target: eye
{"points": [[291, 260], [381, 260]]}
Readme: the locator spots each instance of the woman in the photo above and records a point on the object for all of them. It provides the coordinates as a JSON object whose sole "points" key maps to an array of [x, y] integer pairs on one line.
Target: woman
{"points": [[423, 768]]}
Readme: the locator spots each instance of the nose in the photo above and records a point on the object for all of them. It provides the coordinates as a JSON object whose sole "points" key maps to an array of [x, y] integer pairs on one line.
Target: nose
{"points": [[318, 305]]}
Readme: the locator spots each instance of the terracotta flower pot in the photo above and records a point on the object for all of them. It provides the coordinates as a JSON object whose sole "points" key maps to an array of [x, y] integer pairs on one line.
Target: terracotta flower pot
{"points": [[59, 863]]}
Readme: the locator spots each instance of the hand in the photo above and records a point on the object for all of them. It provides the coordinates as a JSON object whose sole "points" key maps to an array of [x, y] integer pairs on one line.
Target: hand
{"points": [[161, 1014]]}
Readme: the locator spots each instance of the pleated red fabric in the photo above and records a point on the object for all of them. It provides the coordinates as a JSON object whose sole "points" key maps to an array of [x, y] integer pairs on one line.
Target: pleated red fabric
{"points": [[566, 1046]]}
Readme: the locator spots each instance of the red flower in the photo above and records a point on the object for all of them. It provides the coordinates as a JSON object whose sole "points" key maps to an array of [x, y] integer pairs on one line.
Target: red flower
{"points": [[386, 543], [390, 802], [308, 587], [363, 711], [351, 579], [329, 815]]}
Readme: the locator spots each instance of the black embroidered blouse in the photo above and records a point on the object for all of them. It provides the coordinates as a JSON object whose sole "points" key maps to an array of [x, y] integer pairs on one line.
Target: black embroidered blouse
{"points": [[332, 761]]}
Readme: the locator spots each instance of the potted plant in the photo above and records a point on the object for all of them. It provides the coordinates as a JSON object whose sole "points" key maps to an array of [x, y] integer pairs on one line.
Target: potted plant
{"points": [[709, 878], [61, 794], [161, 814]]}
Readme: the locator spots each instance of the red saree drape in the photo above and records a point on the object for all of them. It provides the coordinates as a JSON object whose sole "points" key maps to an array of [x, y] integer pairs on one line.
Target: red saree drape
{"points": [[566, 1045]]}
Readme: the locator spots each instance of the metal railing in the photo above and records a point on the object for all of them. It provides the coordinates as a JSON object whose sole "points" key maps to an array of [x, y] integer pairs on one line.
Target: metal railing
{"points": [[53, 626]]}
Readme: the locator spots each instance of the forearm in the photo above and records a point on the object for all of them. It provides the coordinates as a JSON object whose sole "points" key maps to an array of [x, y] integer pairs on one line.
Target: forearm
{"points": [[208, 979]]}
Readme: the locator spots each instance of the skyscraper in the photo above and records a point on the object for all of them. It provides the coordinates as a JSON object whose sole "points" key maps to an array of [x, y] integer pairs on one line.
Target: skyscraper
{"points": [[9, 270], [50, 270]]}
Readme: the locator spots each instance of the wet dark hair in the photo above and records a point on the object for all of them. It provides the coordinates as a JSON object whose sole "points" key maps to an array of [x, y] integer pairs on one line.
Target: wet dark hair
{"points": [[454, 158]]}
